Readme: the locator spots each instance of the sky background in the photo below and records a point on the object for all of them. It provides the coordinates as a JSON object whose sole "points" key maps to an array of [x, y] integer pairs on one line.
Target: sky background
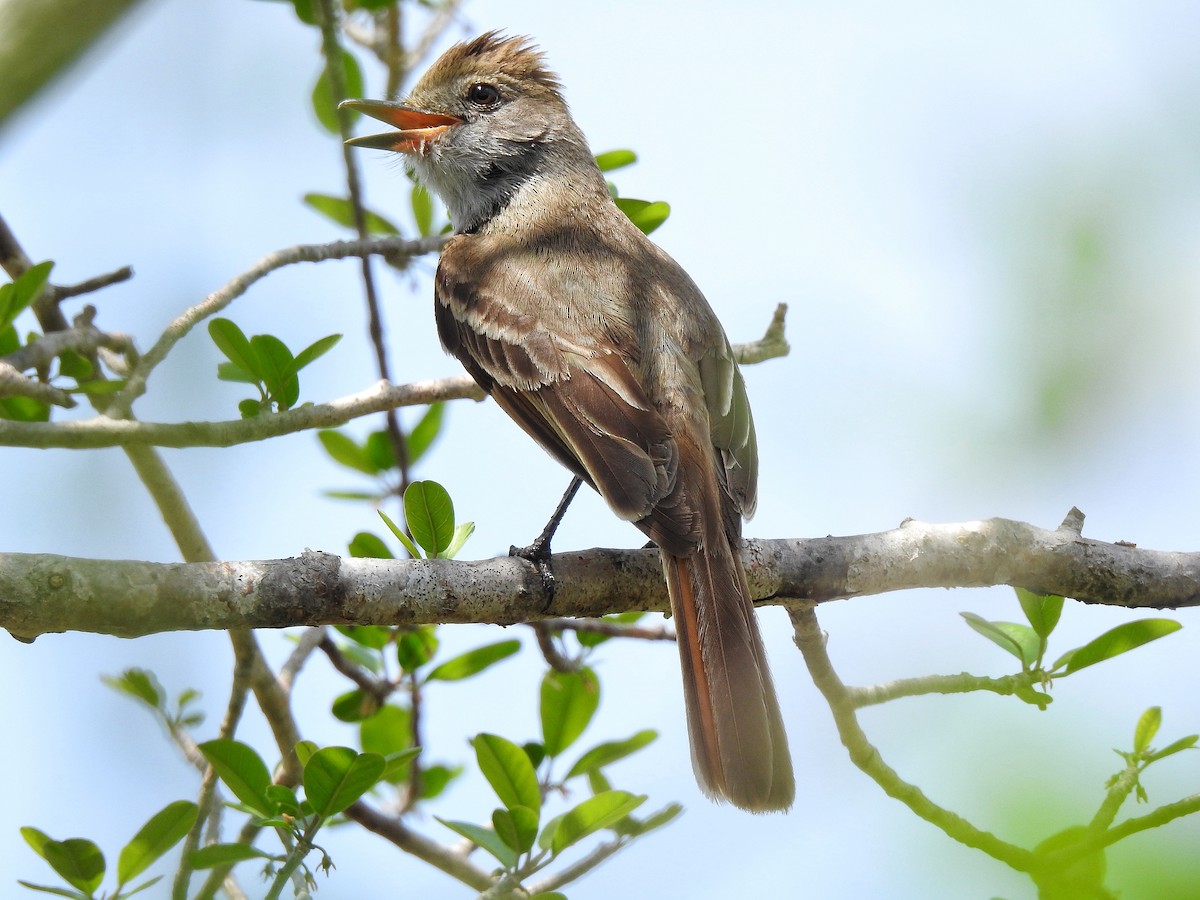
{"points": [[986, 224]]}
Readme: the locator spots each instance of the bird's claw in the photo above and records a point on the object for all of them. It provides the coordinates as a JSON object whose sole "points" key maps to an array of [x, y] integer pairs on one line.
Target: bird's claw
{"points": [[538, 553]]}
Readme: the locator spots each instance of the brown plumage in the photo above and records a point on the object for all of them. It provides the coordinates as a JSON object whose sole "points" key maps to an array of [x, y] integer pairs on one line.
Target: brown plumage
{"points": [[605, 352]]}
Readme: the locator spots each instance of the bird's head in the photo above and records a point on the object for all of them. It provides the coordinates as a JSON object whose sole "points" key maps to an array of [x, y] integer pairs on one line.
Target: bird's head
{"points": [[485, 118]]}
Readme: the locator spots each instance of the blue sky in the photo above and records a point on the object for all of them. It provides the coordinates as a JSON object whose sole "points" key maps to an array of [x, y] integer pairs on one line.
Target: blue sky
{"points": [[985, 224]]}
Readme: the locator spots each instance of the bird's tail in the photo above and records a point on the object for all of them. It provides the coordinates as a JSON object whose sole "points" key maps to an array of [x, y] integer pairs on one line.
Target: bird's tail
{"points": [[739, 747]]}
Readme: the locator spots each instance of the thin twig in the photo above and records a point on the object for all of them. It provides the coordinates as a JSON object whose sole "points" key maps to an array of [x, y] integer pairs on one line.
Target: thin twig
{"points": [[811, 641]]}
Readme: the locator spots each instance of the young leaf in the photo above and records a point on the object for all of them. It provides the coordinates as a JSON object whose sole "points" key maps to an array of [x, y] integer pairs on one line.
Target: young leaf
{"points": [[231, 341], [517, 827], [248, 409], [162, 832], [399, 534], [1019, 640], [615, 159], [591, 815], [398, 765], [609, 752], [314, 351], [1186, 743], [341, 211], [429, 513], [473, 661], [1147, 727], [337, 776], [141, 684], [242, 770], [461, 534], [275, 366], [509, 771], [485, 838], [1042, 610], [1116, 641], [568, 701], [645, 215]]}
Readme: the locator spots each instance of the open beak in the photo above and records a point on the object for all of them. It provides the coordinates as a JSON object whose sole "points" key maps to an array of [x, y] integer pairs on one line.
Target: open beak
{"points": [[417, 128]]}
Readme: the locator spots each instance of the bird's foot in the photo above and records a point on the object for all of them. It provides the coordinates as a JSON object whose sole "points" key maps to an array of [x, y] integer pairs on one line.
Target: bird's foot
{"points": [[538, 553]]}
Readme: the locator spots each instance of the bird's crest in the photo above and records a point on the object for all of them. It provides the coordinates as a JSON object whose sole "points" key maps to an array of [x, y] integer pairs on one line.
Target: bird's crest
{"points": [[494, 53]]}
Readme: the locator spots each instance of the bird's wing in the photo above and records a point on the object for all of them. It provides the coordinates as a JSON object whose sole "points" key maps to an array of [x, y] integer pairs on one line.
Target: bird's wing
{"points": [[731, 424], [571, 391]]}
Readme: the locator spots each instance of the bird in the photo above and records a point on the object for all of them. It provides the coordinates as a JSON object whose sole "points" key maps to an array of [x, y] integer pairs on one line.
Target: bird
{"points": [[602, 348]]}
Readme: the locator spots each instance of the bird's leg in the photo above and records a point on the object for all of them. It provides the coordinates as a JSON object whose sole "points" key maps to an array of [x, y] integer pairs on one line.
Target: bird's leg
{"points": [[538, 552]]}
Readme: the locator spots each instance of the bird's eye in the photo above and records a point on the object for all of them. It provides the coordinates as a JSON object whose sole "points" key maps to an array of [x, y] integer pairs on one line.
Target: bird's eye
{"points": [[483, 94]]}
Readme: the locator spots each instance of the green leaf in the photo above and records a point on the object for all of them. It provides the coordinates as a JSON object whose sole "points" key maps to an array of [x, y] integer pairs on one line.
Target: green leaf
{"points": [[1116, 641], [593, 814], [99, 388], [615, 159], [517, 827], [1147, 727], [36, 839], [73, 365], [388, 731], [645, 215], [248, 409], [242, 770], [665, 815], [78, 861], [609, 752], [337, 776], [283, 798], [369, 546], [568, 701], [473, 661], [314, 351], [399, 535], [140, 684], [341, 211], [22, 291], [163, 831], [58, 892], [275, 366], [231, 341], [509, 771], [435, 778], [215, 855], [1019, 640], [227, 371], [425, 432], [378, 448], [422, 207], [397, 766], [305, 751], [1186, 743], [325, 103], [344, 450], [429, 512], [355, 705], [24, 409], [416, 646], [1042, 610], [485, 838]]}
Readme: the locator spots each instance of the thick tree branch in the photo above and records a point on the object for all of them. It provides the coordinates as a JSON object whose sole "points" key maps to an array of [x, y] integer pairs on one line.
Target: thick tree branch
{"points": [[42, 593]]}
